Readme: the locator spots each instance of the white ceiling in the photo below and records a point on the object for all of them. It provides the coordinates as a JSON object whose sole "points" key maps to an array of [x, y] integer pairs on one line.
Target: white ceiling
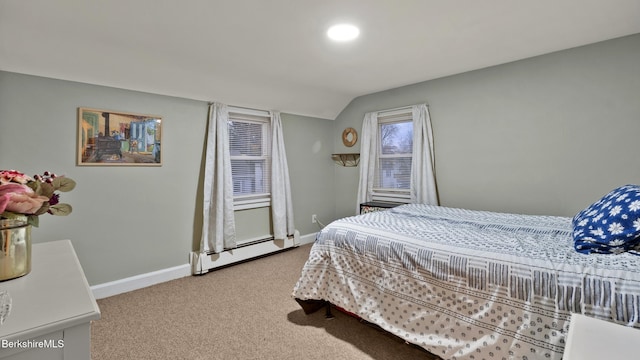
{"points": [[273, 54]]}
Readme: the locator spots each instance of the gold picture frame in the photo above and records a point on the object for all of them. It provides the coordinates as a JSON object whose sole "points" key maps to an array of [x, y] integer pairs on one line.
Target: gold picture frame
{"points": [[116, 138]]}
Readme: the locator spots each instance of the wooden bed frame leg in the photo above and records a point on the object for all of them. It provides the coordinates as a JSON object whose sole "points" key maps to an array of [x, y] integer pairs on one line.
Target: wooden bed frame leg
{"points": [[328, 315]]}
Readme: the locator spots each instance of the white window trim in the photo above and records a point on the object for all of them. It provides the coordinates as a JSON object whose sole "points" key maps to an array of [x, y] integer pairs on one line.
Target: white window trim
{"points": [[252, 201], [401, 115], [250, 112], [244, 202], [392, 195]]}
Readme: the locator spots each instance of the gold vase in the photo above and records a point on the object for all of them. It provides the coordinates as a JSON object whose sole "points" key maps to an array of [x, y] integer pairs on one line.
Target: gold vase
{"points": [[15, 249]]}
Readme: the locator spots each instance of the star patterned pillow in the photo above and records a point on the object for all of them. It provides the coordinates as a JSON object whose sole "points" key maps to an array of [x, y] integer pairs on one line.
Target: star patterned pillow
{"points": [[611, 225]]}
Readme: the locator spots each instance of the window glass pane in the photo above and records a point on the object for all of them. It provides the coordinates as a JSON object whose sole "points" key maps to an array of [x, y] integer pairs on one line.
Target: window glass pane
{"points": [[245, 138], [394, 173], [394, 156], [396, 138], [249, 177], [249, 149]]}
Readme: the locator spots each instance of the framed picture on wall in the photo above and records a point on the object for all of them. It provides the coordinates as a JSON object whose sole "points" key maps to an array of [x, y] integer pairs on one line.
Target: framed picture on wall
{"points": [[116, 138]]}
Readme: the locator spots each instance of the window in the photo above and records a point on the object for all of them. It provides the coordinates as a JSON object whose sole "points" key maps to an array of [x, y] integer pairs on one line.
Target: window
{"points": [[250, 152], [395, 149], [390, 169]]}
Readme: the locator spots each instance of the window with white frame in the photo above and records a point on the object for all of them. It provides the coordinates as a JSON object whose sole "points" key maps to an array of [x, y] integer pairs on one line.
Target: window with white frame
{"points": [[395, 150], [250, 153]]}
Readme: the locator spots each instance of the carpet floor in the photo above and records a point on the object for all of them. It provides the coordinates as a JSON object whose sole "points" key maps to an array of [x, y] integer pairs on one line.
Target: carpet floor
{"points": [[244, 311]]}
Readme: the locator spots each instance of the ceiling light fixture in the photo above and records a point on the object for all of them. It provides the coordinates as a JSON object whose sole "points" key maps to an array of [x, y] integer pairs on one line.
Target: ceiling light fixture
{"points": [[343, 32]]}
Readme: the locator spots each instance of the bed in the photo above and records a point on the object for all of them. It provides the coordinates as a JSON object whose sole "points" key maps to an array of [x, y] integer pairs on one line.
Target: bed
{"points": [[467, 284]]}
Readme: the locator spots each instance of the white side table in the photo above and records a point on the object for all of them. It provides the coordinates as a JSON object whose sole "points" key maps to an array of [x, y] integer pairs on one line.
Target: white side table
{"points": [[595, 339], [51, 308]]}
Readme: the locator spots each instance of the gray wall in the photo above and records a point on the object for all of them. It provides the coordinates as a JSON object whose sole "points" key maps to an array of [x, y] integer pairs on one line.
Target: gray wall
{"points": [[133, 220], [309, 145], [545, 135]]}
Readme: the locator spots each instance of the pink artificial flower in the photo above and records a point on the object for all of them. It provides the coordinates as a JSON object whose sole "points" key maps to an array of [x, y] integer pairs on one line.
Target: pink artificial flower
{"points": [[22, 199], [14, 188], [4, 200], [25, 203], [9, 176]]}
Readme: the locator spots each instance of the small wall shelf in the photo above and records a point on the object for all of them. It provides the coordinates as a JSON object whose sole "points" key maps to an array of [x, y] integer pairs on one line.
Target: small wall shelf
{"points": [[348, 159]]}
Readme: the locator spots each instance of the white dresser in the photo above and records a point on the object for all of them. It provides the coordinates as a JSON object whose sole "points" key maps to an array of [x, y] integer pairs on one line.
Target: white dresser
{"points": [[52, 308]]}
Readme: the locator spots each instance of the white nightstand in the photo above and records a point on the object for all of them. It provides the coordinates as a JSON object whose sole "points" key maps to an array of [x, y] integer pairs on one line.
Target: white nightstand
{"points": [[594, 339]]}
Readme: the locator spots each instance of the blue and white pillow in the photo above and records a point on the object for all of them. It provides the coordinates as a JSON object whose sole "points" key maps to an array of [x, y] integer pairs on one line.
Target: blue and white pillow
{"points": [[611, 225]]}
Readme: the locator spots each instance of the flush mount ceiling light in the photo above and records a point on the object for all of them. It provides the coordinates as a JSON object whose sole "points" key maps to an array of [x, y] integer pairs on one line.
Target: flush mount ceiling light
{"points": [[343, 32]]}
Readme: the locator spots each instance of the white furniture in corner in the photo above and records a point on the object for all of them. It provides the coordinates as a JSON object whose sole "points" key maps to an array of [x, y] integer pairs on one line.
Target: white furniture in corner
{"points": [[595, 339], [51, 308]]}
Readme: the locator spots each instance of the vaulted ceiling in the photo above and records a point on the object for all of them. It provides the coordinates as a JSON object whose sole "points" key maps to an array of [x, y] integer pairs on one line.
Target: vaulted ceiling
{"points": [[273, 54]]}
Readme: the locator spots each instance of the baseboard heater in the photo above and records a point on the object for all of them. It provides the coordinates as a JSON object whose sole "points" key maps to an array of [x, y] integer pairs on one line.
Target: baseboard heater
{"points": [[203, 262]]}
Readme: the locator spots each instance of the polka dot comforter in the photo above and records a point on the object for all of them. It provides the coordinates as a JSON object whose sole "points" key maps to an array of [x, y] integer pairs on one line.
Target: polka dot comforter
{"points": [[467, 284]]}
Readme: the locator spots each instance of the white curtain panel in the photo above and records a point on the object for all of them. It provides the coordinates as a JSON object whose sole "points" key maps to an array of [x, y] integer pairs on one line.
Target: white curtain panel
{"points": [[281, 202], [368, 157], [423, 180], [218, 228]]}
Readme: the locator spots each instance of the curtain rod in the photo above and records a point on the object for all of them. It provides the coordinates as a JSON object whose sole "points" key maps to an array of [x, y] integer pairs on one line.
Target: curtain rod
{"points": [[247, 110], [399, 108]]}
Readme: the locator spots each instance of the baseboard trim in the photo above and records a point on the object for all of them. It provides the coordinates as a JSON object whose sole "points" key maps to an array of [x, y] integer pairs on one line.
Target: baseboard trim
{"points": [[136, 282], [308, 239]]}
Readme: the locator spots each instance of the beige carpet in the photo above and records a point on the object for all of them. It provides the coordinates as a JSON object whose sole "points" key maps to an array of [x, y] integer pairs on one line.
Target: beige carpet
{"points": [[243, 311]]}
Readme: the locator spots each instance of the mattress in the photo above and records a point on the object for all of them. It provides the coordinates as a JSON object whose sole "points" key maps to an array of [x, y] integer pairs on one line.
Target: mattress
{"points": [[466, 284]]}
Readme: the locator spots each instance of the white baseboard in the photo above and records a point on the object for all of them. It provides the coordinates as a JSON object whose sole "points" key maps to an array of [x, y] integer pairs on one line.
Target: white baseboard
{"points": [[136, 282], [308, 239], [140, 281]]}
